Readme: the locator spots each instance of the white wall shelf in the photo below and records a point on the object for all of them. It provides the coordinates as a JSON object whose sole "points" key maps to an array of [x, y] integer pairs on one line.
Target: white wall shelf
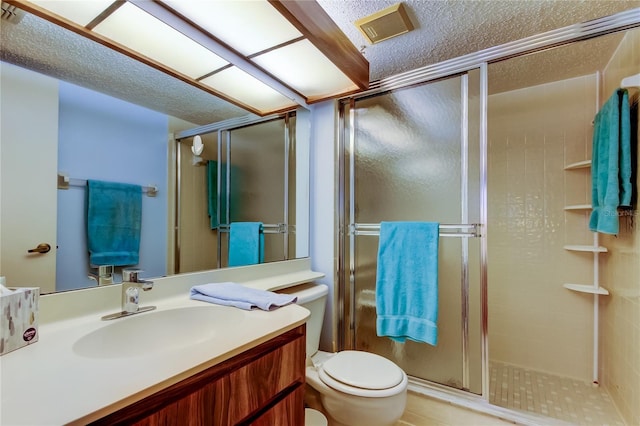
{"points": [[592, 249], [586, 288], [579, 165], [595, 249], [579, 207]]}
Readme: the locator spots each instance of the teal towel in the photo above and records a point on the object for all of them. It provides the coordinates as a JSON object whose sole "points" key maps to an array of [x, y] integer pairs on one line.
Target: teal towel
{"points": [[239, 296], [114, 220], [407, 281], [246, 243], [611, 163], [212, 193]]}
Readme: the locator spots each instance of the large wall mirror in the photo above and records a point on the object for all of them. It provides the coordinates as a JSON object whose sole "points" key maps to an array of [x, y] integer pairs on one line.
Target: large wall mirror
{"points": [[74, 110]]}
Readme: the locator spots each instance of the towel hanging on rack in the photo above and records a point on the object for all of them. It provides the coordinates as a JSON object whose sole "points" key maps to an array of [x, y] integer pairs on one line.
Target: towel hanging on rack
{"points": [[611, 163], [114, 221], [246, 243], [407, 281]]}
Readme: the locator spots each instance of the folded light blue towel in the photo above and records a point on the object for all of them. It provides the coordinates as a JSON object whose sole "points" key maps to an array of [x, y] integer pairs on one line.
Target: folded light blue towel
{"points": [[246, 243], [407, 281], [611, 163], [232, 294], [114, 220]]}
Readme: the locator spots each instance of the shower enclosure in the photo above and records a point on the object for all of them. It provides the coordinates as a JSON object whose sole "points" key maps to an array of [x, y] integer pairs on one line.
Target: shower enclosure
{"points": [[499, 156], [414, 154]]}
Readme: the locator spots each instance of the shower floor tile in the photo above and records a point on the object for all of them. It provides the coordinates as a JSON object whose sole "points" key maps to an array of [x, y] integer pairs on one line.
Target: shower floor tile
{"points": [[553, 396]]}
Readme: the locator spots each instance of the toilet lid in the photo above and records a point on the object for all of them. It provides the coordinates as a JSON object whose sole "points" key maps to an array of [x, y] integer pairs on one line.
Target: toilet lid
{"points": [[363, 370]]}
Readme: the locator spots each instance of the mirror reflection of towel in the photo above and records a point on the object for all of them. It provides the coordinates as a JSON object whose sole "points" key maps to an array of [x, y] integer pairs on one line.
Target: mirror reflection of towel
{"points": [[114, 220], [232, 187], [246, 243]]}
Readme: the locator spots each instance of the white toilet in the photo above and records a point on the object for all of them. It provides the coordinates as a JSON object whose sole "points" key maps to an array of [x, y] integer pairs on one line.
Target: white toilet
{"points": [[356, 388]]}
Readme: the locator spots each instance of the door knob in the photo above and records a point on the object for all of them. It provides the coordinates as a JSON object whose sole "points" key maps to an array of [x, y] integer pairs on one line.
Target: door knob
{"points": [[42, 248]]}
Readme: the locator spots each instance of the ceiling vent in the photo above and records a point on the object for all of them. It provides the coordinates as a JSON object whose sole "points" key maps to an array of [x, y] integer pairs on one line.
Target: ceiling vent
{"points": [[385, 24], [11, 13]]}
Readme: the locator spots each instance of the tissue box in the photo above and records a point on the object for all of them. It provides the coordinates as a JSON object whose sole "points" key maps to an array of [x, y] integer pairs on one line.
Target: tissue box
{"points": [[19, 324]]}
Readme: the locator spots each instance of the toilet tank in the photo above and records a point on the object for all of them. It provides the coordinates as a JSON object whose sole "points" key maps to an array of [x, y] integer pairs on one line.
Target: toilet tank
{"points": [[313, 297]]}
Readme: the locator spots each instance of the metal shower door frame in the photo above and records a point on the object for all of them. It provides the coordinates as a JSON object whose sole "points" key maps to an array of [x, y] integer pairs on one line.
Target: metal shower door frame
{"points": [[349, 230]]}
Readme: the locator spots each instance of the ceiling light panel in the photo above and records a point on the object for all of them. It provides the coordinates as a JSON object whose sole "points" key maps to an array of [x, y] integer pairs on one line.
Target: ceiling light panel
{"points": [[80, 12], [147, 35], [247, 89], [304, 68], [247, 26]]}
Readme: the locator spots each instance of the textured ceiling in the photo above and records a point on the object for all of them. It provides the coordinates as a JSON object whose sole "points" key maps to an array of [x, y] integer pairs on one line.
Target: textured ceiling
{"points": [[444, 29]]}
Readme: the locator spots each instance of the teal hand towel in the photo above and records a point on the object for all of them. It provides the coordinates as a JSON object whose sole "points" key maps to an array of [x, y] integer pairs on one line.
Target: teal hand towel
{"points": [[246, 243], [239, 296], [407, 281], [230, 185], [114, 220], [212, 194], [611, 163]]}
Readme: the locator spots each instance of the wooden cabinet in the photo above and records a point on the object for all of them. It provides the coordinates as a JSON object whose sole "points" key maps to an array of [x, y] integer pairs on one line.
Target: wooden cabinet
{"points": [[263, 386]]}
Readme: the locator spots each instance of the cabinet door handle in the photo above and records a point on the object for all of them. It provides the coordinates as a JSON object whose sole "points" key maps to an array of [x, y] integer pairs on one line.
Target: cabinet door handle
{"points": [[42, 248]]}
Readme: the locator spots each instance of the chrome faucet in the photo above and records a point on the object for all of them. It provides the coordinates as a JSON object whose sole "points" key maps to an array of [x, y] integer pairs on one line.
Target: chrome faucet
{"points": [[131, 285], [104, 276]]}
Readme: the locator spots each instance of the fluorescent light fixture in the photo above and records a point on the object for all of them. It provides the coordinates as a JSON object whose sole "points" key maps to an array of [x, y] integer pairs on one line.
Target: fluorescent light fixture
{"points": [[136, 29], [264, 56], [303, 67], [80, 12], [247, 26], [247, 89]]}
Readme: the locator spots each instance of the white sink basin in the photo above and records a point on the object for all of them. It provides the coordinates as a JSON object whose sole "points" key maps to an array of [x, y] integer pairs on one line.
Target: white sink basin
{"points": [[162, 330]]}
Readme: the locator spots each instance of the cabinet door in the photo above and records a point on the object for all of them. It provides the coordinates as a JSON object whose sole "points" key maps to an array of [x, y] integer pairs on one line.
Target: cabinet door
{"points": [[207, 406], [260, 382], [285, 413]]}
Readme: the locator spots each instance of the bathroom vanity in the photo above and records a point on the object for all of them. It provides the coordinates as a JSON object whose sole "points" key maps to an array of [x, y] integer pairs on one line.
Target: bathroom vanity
{"points": [[186, 359], [262, 386]]}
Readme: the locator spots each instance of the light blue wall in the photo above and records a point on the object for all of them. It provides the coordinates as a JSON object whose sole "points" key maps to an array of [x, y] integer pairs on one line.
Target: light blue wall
{"points": [[104, 138]]}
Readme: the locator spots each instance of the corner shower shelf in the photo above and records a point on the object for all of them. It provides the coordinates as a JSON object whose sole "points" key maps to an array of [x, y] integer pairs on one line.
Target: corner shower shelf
{"points": [[579, 207], [592, 249], [584, 288], [579, 165]]}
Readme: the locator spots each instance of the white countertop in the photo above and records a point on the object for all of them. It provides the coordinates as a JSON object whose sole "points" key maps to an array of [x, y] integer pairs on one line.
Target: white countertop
{"points": [[48, 383]]}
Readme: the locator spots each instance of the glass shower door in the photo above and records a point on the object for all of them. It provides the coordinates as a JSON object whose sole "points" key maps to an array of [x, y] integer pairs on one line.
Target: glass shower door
{"points": [[259, 184], [413, 155]]}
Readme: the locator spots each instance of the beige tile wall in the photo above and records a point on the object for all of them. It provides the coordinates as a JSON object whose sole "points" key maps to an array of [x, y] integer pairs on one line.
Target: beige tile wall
{"points": [[533, 133], [620, 319]]}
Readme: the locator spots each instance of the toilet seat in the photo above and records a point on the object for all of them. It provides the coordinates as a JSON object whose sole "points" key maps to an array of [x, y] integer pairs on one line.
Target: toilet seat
{"points": [[363, 374]]}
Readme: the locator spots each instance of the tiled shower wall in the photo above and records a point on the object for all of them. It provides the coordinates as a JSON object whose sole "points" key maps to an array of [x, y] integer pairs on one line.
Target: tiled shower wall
{"points": [[533, 134], [620, 320]]}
